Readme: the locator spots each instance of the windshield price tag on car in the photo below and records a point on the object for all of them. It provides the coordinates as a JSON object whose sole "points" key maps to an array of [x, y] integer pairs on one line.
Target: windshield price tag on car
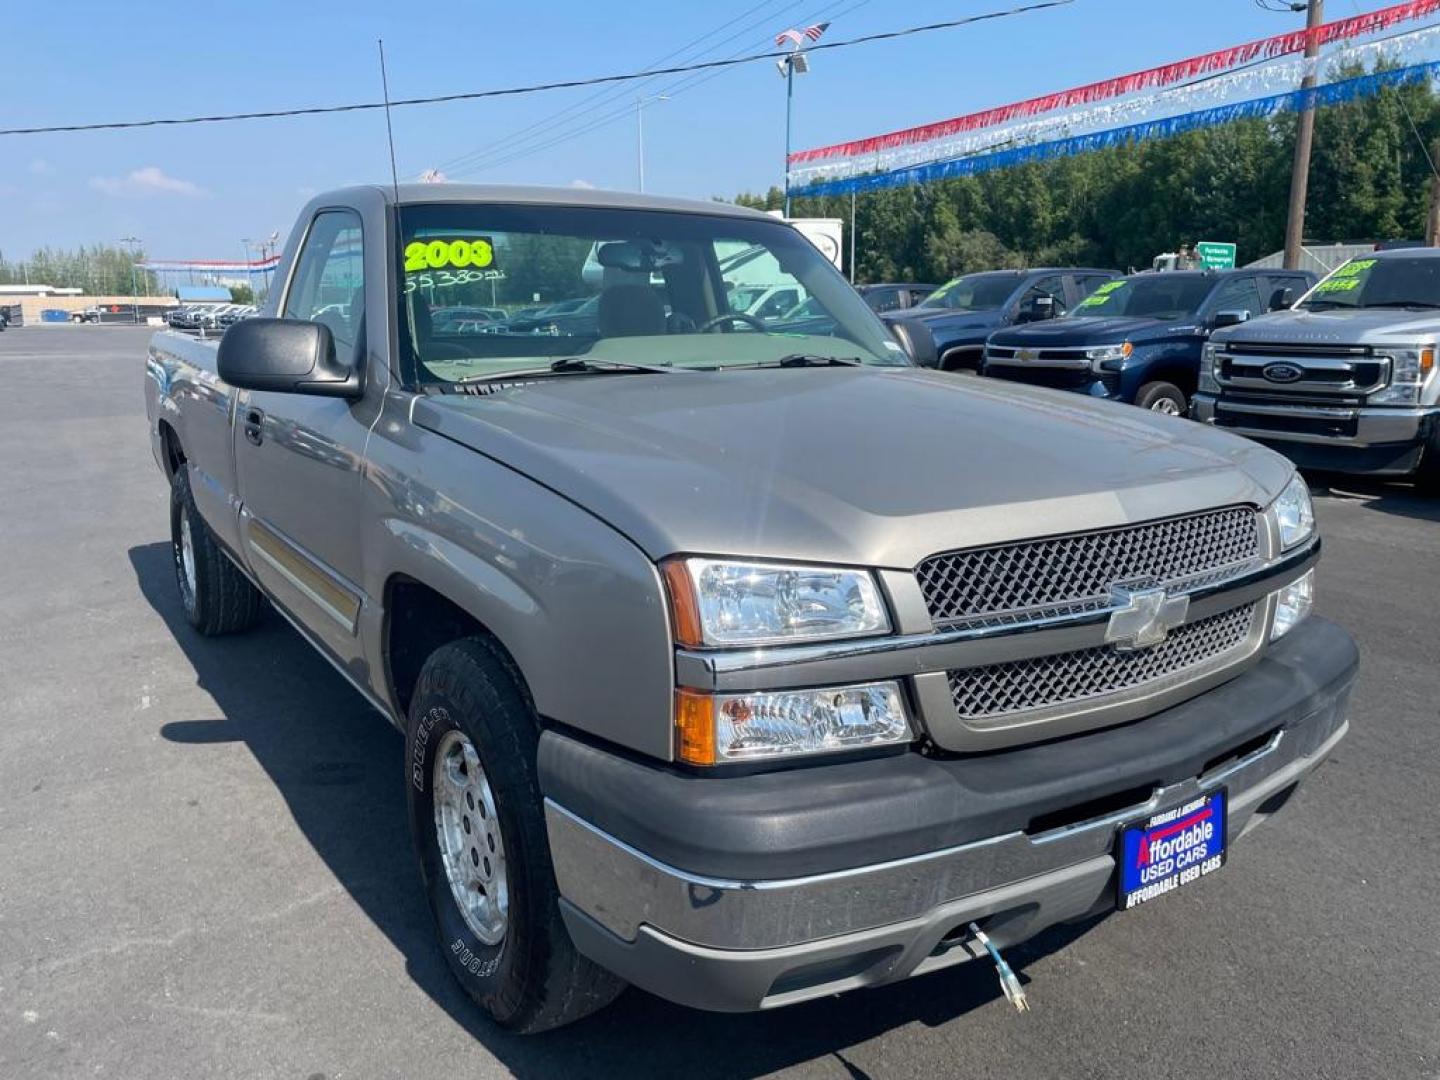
{"points": [[442, 254], [1101, 294]]}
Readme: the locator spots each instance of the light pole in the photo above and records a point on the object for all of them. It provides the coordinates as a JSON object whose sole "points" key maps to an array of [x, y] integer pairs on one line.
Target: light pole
{"points": [[797, 63], [134, 242], [640, 103], [249, 278]]}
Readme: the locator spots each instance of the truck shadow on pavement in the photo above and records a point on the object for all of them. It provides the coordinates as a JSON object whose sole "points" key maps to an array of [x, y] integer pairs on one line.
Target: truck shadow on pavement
{"points": [[1376, 494], [338, 765]]}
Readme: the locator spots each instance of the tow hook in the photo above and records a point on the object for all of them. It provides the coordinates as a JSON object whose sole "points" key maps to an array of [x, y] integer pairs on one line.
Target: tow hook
{"points": [[1009, 984]]}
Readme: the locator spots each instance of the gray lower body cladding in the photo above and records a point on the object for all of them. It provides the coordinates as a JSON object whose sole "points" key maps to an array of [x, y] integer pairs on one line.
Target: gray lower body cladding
{"points": [[757, 891]]}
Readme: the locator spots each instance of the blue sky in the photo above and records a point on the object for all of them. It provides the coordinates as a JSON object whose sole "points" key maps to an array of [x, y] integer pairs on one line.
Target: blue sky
{"points": [[194, 192]]}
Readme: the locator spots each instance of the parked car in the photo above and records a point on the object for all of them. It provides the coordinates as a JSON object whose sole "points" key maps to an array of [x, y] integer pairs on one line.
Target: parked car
{"points": [[1139, 339], [4, 319], [766, 301], [717, 675], [88, 315], [1346, 379], [949, 327], [234, 314], [890, 296]]}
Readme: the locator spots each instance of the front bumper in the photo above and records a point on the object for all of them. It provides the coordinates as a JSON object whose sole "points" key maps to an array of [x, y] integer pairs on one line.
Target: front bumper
{"points": [[1386, 441], [753, 892]]}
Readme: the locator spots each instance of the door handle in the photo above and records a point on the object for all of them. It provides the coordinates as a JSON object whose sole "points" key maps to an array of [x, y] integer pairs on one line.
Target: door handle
{"points": [[254, 425]]}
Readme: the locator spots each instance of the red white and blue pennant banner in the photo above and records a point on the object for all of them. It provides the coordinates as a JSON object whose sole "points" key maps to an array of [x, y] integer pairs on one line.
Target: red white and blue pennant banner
{"points": [[1221, 83]]}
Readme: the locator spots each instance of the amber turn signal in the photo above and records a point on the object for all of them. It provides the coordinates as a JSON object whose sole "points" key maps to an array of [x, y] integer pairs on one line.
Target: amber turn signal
{"points": [[694, 727], [684, 609]]}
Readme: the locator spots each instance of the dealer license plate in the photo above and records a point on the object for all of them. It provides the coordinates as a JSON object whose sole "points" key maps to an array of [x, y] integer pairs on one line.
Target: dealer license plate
{"points": [[1172, 848]]}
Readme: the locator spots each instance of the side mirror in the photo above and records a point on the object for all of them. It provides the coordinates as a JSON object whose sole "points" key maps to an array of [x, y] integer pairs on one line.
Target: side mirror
{"points": [[1230, 318], [286, 356], [1281, 299], [1044, 307]]}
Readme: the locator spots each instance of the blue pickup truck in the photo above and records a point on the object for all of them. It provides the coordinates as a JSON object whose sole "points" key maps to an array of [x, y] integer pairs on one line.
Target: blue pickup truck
{"points": [[947, 330], [1139, 339]]}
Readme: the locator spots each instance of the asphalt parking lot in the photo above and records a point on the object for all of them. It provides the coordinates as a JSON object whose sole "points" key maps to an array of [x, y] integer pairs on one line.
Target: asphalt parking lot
{"points": [[204, 867]]}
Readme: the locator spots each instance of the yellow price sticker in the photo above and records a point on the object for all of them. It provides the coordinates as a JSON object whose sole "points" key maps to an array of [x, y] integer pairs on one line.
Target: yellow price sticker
{"points": [[1338, 284], [1100, 295], [1354, 268], [439, 254]]}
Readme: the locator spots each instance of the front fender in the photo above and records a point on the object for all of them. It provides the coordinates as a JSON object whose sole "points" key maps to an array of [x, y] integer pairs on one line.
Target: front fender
{"points": [[579, 607]]}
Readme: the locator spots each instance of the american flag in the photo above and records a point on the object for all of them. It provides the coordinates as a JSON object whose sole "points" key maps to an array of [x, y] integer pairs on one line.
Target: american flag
{"points": [[798, 38]]}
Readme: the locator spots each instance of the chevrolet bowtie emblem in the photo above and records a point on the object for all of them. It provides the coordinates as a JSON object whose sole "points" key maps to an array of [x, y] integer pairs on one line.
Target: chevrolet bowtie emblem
{"points": [[1026, 354], [1143, 617]]}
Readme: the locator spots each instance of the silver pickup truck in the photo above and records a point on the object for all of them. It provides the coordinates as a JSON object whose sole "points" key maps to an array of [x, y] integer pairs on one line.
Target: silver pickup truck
{"points": [[1345, 380], [744, 663]]}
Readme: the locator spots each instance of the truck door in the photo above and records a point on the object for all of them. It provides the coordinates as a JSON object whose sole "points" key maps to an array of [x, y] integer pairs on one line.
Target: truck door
{"points": [[299, 458]]}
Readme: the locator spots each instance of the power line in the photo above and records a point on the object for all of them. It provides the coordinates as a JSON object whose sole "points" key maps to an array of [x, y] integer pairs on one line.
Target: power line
{"points": [[508, 155], [481, 159], [514, 91], [609, 95]]}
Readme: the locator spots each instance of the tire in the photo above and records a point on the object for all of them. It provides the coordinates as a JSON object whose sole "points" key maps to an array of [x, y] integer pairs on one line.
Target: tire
{"points": [[217, 597], [1163, 397], [1427, 474], [521, 967]]}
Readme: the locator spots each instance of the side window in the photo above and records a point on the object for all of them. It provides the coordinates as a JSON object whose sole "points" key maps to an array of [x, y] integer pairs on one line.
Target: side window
{"points": [[884, 300], [1272, 289], [1044, 299], [777, 304], [1237, 294], [329, 281]]}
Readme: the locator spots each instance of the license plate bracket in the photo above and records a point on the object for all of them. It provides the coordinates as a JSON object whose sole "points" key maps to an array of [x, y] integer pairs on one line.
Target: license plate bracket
{"points": [[1171, 848]]}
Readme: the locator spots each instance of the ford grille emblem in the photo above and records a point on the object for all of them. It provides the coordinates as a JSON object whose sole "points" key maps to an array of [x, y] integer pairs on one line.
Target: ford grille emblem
{"points": [[1282, 372]]}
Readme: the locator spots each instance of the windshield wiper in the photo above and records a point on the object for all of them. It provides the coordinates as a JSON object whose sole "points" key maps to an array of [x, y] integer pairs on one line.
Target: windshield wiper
{"points": [[1402, 304], [815, 360], [570, 365]]}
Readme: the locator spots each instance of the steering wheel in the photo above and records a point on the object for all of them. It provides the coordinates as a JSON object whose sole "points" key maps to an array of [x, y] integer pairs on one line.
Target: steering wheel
{"points": [[710, 325]]}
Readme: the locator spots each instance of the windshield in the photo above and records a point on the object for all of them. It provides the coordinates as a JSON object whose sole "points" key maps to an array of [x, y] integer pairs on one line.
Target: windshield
{"points": [[658, 289], [973, 292], [1370, 283], [1164, 295]]}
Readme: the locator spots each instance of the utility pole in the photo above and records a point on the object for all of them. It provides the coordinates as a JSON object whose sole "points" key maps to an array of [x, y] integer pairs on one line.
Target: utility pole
{"points": [[1304, 138], [789, 63], [1432, 221], [134, 242]]}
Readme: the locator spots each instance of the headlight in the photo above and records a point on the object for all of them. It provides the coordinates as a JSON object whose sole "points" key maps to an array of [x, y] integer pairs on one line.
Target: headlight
{"points": [[1207, 369], [720, 728], [1410, 368], [1111, 355], [723, 603], [1294, 514], [1293, 603]]}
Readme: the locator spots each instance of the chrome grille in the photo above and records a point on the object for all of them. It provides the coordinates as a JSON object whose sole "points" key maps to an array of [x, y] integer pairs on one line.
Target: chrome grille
{"points": [[1074, 677], [1065, 574]]}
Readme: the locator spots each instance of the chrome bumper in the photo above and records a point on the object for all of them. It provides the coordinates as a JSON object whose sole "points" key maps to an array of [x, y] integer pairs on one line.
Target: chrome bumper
{"points": [[1373, 426]]}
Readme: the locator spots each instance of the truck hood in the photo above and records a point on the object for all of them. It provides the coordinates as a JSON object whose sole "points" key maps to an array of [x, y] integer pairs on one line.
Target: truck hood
{"points": [[947, 320], [1092, 330], [863, 466], [1367, 326]]}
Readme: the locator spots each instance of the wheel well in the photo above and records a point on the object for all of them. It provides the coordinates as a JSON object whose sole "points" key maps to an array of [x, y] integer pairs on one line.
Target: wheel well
{"points": [[1178, 375], [961, 357], [419, 620], [174, 452]]}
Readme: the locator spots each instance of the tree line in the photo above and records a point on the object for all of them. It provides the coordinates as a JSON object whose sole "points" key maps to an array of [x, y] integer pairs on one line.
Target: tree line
{"points": [[99, 270], [1370, 179]]}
